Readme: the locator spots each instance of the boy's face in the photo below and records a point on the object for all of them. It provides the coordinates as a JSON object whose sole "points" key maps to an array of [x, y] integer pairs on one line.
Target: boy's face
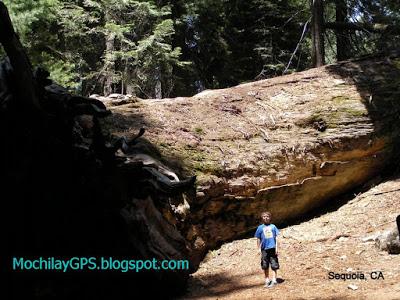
{"points": [[266, 218]]}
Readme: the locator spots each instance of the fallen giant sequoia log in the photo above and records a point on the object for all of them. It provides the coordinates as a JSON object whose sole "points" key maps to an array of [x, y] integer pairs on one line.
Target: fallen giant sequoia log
{"points": [[287, 144]]}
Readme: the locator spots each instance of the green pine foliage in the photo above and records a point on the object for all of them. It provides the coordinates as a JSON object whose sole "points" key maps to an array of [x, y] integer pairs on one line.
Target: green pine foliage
{"points": [[168, 48], [69, 39]]}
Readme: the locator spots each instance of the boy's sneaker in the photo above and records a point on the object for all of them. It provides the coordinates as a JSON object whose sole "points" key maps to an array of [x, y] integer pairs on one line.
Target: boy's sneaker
{"points": [[272, 283], [267, 283]]}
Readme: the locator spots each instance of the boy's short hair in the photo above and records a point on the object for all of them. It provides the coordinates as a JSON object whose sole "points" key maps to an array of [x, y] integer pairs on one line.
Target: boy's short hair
{"points": [[266, 212]]}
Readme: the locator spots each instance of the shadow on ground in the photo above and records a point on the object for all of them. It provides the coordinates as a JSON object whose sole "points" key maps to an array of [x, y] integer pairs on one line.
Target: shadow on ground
{"points": [[218, 285]]}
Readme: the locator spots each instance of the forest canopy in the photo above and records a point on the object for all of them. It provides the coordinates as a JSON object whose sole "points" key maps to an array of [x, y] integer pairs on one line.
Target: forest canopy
{"points": [[164, 48]]}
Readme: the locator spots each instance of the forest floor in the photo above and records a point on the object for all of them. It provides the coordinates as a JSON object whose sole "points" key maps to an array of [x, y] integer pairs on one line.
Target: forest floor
{"points": [[334, 241]]}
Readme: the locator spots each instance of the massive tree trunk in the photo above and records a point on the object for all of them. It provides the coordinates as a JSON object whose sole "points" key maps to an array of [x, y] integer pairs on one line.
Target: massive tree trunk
{"points": [[317, 32], [157, 86], [109, 60], [109, 65], [287, 144], [342, 41]]}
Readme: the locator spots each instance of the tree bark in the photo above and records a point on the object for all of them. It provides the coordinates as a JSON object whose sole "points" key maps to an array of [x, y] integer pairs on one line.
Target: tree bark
{"points": [[317, 32], [342, 41], [158, 86], [110, 64], [109, 60]]}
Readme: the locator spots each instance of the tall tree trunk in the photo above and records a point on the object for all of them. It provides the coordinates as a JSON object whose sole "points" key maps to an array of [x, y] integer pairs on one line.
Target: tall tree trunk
{"points": [[342, 41], [158, 87], [129, 87], [317, 31], [110, 64], [109, 60]]}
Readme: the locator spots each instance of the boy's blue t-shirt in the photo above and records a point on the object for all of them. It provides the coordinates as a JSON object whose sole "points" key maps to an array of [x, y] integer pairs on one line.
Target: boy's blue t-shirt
{"points": [[267, 234]]}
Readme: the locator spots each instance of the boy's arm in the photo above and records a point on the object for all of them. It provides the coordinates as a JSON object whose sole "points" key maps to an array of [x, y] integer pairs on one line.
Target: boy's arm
{"points": [[257, 235], [276, 240]]}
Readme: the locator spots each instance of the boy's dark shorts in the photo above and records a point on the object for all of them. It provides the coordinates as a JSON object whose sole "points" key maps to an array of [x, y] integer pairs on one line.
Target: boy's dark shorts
{"points": [[268, 257]]}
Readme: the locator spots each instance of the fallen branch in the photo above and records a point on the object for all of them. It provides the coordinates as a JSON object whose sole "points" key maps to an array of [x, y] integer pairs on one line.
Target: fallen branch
{"points": [[385, 192], [297, 47], [335, 237], [358, 26]]}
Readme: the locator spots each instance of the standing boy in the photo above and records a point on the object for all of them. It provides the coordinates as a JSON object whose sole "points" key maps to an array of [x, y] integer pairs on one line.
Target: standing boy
{"points": [[266, 235]]}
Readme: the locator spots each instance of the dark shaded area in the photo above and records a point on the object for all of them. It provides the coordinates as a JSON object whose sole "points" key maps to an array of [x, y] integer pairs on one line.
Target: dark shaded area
{"points": [[63, 200], [230, 283], [377, 80], [66, 194], [211, 285]]}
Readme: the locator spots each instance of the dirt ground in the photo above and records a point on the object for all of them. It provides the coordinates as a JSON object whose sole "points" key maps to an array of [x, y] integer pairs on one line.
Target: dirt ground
{"points": [[334, 241]]}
